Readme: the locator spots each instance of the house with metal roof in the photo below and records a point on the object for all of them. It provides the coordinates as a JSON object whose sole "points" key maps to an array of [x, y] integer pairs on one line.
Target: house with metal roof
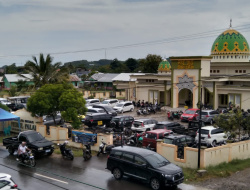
{"points": [[11, 79]]}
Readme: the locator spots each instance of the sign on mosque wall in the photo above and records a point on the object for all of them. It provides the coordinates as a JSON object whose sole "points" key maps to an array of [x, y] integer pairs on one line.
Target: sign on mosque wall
{"points": [[185, 64]]}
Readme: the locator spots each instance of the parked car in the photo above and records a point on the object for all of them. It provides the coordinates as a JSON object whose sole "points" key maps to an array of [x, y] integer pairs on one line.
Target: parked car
{"points": [[208, 116], [35, 141], [90, 102], [97, 119], [167, 125], [145, 165], [142, 125], [4, 101], [152, 136], [178, 140], [124, 107], [48, 120], [94, 110], [110, 102], [6, 182], [118, 123], [211, 135], [190, 114], [106, 108], [15, 107]]}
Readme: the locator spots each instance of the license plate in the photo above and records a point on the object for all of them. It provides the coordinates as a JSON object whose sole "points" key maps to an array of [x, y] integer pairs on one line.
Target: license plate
{"points": [[47, 150], [99, 122]]}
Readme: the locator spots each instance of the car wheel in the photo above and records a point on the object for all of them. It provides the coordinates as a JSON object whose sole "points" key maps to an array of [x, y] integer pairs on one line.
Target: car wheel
{"points": [[10, 150], [117, 173], [155, 184], [214, 143], [121, 111]]}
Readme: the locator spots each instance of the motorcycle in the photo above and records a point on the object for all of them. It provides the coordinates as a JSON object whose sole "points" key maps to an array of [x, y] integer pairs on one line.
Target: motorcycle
{"points": [[29, 159], [104, 148], [139, 111], [66, 152], [151, 110], [135, 140], [87, 152]]}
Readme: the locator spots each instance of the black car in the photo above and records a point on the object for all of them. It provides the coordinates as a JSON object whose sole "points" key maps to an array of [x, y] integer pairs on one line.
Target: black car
{"points": [[119, 122], [145, 165], [167, 125], [107, 108], [97, 119], [15, 107], [178, 140]]}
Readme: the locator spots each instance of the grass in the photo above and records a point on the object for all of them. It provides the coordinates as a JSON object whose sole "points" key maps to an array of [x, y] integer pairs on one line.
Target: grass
{"points": [[76, 151], [221, 170]]}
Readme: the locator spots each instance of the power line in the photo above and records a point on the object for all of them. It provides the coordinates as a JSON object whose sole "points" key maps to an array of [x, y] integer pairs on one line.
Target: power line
{"points": [[154, 42]]}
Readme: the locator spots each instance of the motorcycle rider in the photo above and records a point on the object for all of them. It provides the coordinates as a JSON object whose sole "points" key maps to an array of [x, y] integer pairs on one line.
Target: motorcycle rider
{"points": [[22, 151]]}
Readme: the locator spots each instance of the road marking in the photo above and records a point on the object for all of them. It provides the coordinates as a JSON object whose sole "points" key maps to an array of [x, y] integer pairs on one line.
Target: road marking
{"points": [[51, 178]]}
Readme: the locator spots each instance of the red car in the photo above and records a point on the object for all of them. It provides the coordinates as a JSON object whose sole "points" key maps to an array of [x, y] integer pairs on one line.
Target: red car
{"points": [[190, 114], [151, 136]]}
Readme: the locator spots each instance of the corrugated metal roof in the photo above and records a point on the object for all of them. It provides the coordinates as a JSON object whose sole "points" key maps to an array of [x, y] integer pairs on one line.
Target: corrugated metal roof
{"points": [[108, 77], [17, 77], [97, 76], [126, 77], [74, 78]]}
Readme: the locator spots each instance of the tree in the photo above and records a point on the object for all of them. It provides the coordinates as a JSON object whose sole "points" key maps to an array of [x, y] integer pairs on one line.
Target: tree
{"points": [[132, 64], [114, 64], [11, 69], [4, 107], [150, 63], [21, 85], [53, 98], [13, 91], [44, 72]]}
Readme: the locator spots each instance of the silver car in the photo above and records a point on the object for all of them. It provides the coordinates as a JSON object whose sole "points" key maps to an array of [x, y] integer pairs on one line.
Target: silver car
{"points": [[208, 116]]}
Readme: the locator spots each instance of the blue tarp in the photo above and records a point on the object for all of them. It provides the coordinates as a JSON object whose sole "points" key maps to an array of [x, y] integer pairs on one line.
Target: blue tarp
{"points": [[7, 116], [84, 138]]}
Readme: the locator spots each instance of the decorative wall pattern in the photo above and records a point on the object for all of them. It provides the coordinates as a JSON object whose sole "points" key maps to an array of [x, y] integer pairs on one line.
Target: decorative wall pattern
{"points": [[185, 64], [185, 82]]}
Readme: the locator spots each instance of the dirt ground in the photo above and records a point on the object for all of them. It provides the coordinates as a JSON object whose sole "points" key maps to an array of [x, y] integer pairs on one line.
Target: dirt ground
{"points": [[238, 181]]}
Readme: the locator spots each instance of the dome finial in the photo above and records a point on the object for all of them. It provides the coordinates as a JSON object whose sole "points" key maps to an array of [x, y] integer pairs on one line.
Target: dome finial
{"points": [[230, 23]]}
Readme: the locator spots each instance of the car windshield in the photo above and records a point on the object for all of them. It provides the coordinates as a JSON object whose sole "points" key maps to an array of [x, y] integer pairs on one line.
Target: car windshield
{"points": [[156, 160], [151, 136], [119, 105], [204, 131], [159, 126], [168, 141], [204, 113], [137, 123], [105, 102], [35, 137], [189, 112], [101, 111]]}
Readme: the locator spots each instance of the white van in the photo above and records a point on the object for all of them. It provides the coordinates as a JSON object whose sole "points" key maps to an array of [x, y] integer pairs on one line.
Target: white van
{"points": [[124, 106], [110, 102], [90, 102]]}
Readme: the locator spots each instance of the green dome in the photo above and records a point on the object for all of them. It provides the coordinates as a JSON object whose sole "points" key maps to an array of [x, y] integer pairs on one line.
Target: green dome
{"points": [[164, 66], [230, 42]]}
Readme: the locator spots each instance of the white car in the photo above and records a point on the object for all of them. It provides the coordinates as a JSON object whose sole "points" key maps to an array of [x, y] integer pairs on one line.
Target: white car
{"points": [[142, 125], [124, 106], [211, 135], [6, 182], [110, 102]]}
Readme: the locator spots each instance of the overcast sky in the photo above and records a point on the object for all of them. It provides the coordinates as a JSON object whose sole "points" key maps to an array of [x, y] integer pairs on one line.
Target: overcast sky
{"points": [[88, 27]]}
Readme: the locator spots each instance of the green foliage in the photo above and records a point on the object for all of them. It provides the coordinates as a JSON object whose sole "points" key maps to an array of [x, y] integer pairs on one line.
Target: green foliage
{"points": [[132, 64], [21, 85], [11, 69], [44, 72], [13, 91], [4, 107], [150, 63], [232, 122], [52, 98]]}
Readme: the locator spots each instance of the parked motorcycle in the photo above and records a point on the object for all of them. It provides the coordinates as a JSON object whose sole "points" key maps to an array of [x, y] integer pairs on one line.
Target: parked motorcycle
{"points": [[104, 148], [28, 160], [87, 152], [66, 152], [135, 140], [139, 111], [151, 110]]}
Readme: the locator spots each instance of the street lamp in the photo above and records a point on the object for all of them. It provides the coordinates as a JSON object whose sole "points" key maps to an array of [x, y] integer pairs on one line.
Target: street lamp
{"points": [[199, 104]]}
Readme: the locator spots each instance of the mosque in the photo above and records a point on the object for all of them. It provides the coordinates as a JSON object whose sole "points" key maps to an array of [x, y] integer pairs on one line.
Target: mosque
{"points": [[216, 80]]}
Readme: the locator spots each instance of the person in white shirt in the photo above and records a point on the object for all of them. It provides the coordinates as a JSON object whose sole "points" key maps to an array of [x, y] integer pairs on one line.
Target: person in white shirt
{"points": [[22, 150]]}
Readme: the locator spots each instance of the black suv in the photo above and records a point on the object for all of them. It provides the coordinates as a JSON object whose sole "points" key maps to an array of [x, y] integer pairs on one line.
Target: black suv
{"points": [[107, 108], [97, 119], [167, 125], [119, 122], [145, 165], [184, 140], [15, 107]]}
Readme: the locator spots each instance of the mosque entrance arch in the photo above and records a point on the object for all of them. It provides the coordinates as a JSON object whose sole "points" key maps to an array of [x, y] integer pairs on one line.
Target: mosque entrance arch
{"points": [[185, 98]]}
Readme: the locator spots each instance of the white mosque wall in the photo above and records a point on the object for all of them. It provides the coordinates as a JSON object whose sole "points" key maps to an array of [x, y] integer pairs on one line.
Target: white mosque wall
{"points": [[230, 58], [205, 68]]}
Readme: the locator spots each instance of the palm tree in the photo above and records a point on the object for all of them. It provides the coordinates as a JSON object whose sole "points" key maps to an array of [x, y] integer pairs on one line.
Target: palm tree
{"points": [[44, 72]]}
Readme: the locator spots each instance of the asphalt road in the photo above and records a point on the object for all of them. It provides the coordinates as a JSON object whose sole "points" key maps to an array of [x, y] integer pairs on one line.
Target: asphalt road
{"points": [[57, 173]]}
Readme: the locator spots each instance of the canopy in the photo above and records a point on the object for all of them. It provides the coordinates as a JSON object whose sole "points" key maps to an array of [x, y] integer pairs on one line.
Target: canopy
{"points": [[7, 116]]}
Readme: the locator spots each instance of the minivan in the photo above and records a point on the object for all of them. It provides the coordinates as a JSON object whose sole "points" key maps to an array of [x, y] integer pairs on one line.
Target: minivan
{"points": [[90, 102], [145, 165], [124, 107], [142, 125], [110, 102]]}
